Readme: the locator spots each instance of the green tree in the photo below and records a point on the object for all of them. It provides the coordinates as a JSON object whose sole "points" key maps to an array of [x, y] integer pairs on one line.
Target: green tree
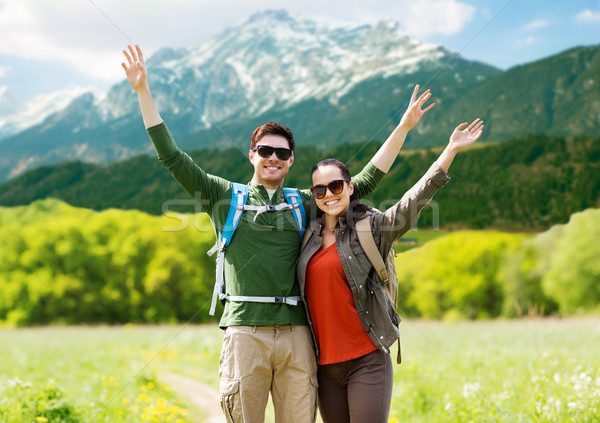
{"points": [[63, 264], [456, 275], [521, 275], [573, 278]]}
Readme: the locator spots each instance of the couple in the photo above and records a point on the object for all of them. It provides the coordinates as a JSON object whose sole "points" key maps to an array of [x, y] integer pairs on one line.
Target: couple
{"points": [[270, 346]]}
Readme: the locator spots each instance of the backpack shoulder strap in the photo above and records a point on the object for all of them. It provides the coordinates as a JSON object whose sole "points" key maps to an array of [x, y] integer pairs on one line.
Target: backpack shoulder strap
{"points": [[292, 197], [365, 237], [239, 196]]}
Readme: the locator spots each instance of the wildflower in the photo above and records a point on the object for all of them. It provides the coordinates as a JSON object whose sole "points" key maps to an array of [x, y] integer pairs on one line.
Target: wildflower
{"points": [[469, 389], [41, 419], [585, 378]]}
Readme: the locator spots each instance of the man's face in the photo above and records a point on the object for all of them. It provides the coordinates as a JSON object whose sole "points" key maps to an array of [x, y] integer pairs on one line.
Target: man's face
{"points": [[270, 171]]}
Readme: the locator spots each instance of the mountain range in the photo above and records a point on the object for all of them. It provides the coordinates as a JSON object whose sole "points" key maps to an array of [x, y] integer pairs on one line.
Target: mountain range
{"points": [[330, 83]]}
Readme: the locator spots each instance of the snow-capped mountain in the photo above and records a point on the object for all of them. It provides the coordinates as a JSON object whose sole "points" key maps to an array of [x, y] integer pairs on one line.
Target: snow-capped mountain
{"points": [[272, 61], [16, 117], [271, 65]]}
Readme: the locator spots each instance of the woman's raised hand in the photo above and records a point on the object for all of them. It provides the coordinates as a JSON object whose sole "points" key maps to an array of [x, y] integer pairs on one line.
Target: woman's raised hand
{"points": [[135, 68], [462, 138]]}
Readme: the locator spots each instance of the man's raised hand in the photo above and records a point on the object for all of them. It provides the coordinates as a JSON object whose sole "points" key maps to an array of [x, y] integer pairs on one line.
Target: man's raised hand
{"points": [[415, 109], [135, 68]]}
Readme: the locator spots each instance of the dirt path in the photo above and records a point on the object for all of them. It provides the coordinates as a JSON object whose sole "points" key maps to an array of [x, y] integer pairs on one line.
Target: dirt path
{"points": [[206, 398], [198, 394]]}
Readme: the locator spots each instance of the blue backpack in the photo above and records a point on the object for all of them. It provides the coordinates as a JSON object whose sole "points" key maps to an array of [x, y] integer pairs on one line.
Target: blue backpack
{"points": [[239, 197]]}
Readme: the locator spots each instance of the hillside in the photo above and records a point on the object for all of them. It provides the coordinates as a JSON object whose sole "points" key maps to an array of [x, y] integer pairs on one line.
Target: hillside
{"points": [[558, 95], [525, 184], [330, 83], [319, 78]]}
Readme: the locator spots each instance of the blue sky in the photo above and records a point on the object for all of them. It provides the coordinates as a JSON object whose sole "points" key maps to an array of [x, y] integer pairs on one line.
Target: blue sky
{"points": [[75, 45]]}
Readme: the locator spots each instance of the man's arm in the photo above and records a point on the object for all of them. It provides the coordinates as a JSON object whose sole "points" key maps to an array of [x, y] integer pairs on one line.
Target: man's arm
{"points": [[137, 76], [200, 185], [366, 181], [385, 156]]}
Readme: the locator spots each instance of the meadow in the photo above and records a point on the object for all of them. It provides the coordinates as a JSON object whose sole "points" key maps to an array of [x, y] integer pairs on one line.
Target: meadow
{"points": [[538, 370]]}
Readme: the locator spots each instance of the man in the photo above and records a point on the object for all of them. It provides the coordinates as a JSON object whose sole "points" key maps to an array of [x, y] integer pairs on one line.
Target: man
{"points": [[267, 346]]}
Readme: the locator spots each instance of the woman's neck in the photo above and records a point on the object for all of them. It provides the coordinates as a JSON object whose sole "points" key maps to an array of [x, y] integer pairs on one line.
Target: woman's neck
{"points": [[330, 223]]}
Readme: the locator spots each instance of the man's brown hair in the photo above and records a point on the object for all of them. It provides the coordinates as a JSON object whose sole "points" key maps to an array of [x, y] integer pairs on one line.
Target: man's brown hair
{"points": [[271, 128]]}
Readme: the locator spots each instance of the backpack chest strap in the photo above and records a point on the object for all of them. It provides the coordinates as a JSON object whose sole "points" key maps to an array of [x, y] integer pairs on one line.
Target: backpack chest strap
{"points": [[268, 208], [277, 300]]}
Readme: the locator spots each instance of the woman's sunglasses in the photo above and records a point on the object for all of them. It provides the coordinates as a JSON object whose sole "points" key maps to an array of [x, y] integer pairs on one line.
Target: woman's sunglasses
{"points": [[335, 187], [265, 152]]}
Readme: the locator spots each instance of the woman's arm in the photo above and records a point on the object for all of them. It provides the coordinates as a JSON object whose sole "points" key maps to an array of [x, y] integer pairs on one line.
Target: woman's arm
{"points": [[398, 219], [459, 140], [137, 76]]}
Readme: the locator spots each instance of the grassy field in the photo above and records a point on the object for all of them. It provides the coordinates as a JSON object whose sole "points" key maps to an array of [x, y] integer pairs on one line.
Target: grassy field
{"points": [[494, 371]]}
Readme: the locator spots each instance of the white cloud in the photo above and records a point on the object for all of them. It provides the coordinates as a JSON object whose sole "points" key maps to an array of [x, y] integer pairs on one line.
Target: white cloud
{"points": [[60, 30], [447, 17], [536, 24], [526, 41], [4, 71], [588, 16], [418, 18], [89, 35]]}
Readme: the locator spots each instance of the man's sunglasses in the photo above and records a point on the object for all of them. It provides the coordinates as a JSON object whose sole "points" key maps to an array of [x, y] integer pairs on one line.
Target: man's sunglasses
{"points": [[265, 152], [335, 187]]}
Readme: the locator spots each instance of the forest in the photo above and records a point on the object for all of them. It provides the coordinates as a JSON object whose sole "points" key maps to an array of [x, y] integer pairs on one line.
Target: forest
{"points": [[525, 184], [61, 264]]}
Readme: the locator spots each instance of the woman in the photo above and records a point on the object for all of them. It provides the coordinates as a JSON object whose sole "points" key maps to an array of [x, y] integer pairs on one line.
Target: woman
{"points": [[353, 321]]}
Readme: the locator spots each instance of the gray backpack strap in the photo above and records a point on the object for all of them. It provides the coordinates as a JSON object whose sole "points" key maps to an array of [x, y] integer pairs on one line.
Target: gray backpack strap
{"points": [[365, 237]]}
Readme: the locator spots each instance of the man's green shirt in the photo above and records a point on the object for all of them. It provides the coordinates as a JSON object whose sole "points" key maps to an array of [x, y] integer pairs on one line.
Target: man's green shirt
{"points": [[261, 259]]}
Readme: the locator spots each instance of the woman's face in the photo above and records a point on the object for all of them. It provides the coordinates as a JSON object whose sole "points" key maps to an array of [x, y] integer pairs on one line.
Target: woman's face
{"points": [[332, 204]]}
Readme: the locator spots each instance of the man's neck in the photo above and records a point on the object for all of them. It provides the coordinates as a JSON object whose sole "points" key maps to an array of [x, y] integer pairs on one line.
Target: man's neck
{"points": [[266, 184]]}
